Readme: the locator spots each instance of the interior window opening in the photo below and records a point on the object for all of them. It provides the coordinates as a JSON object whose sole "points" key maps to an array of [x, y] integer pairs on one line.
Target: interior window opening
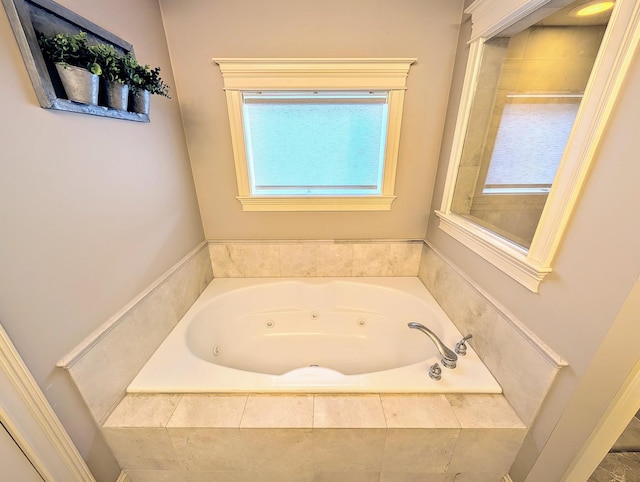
{"points": [[315, 143]]}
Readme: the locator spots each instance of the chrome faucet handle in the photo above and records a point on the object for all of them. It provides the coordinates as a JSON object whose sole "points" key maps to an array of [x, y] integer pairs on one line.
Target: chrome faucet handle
{"points": [[435, 372], [461, 346]]}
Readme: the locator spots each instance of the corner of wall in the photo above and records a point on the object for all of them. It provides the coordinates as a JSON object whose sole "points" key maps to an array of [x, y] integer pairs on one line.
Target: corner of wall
{"points": [[105, 363]]}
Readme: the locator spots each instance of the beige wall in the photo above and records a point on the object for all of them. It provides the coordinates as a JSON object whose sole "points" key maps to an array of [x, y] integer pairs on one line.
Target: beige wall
{"points": [[574, 312], [92, 211], [198, 30]]}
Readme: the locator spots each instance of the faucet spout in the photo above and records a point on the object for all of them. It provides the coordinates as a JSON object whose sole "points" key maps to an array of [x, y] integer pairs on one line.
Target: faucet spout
{"points": [[449, 358]]}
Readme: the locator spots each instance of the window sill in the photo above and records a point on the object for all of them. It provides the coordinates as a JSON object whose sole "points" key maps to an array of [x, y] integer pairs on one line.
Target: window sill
{"points": [[316, 203], [508, 257]]}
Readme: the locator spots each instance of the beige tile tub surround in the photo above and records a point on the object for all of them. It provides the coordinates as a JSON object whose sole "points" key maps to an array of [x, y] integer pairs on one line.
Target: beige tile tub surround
{"points": [[523, 365], [106, 362], [314, 437], [254, 259]]}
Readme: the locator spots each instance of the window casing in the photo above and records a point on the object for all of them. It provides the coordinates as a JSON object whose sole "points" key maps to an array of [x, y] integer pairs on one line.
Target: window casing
{"points": [[315, 134], [530, 266]]}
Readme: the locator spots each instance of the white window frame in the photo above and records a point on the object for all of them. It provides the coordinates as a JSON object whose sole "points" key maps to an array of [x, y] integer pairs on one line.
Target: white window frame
{"points": [[296, 74], [489, 17]]}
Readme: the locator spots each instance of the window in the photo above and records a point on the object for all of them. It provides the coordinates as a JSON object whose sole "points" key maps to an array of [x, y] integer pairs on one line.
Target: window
{"points": [[488, 79], [322, 143], [315, 134], [530, 141]]}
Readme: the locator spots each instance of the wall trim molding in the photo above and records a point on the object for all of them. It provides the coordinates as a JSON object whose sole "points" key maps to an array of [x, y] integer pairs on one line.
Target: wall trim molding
{"points": [[315, 241], [99, 333], [123, 477], [491, 17], [534, 340], [503, 254], [316, 203], [27, 415]]}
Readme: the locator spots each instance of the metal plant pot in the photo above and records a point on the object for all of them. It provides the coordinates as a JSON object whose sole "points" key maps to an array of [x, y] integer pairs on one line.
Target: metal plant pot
{"points": [[79, 84], [116, 95], [140, 101]]}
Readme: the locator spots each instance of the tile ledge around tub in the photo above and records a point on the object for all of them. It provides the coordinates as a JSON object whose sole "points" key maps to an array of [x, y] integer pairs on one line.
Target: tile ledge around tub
{"points": [[554, 359], [103, 330], [131, 411]]}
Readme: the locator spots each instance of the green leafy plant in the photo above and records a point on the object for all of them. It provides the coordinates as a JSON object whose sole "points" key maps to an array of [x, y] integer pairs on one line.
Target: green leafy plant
{"points": [[144, 77], [111, 61], [69, 49]]}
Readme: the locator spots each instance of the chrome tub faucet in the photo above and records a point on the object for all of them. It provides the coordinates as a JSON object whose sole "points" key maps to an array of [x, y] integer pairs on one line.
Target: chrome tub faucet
{"points": [[449, 358]]}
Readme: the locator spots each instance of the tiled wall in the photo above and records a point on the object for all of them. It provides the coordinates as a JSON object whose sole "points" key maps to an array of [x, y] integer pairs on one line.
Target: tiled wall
{"points": [[109, 359], [237, 259], [305, 438], [523, 365]]}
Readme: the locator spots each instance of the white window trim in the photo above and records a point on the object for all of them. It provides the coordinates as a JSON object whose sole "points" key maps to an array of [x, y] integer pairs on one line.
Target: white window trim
{"points": [[529, 267], [385, 74]]}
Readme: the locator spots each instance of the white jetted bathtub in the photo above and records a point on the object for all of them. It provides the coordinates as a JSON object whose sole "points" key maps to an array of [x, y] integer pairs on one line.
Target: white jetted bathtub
{"points": [[338, 335]]}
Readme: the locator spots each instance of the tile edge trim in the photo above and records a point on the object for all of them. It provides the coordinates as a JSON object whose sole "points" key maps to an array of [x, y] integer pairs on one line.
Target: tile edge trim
{"points": [[103, 330], [555, 360]]}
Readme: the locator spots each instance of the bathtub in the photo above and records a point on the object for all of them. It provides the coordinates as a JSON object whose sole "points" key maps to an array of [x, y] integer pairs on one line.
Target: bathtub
{"points": [[311, 335]]}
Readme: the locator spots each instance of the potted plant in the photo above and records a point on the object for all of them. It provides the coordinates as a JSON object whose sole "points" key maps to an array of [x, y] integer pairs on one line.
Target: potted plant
{"points": [[143, 82], [116, 71], [75, 63]]}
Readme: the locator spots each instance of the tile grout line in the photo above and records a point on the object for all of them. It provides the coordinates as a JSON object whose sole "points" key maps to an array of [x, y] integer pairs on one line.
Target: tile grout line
{"points": [[174, 411], [244, 409]]}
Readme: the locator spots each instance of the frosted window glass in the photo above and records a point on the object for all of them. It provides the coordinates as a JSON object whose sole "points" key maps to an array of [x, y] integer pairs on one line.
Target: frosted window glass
{"points": [[530, 142], [318, 145]]}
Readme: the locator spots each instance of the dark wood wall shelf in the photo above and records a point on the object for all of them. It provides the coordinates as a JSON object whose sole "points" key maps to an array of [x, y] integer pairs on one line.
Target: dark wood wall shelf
{"points": [[28, 16]]}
